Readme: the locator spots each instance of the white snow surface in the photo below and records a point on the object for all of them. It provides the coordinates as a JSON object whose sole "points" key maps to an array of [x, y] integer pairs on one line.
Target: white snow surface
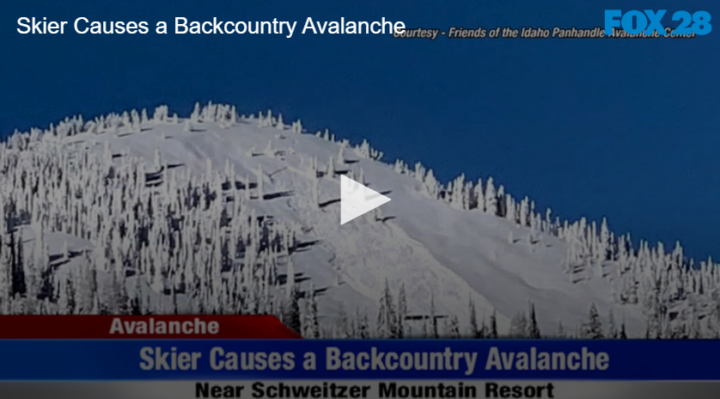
{"points": [[440, 253]]}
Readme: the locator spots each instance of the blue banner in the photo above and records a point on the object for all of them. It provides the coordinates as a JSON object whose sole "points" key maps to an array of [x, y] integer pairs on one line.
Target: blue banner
{"points": [[358, 359]]}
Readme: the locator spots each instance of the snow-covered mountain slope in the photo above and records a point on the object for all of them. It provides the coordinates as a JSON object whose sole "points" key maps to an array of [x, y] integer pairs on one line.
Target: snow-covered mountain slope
{"points": [[225, 213]]}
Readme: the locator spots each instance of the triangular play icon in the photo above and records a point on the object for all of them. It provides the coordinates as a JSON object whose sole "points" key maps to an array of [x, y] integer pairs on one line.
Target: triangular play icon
{"points": [[356, 199]]}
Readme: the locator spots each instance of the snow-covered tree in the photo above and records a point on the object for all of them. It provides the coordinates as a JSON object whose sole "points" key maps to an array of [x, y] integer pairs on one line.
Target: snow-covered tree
{"points": [[452, 327], [612, 331], [533, 329], [291, 315], [519, 325], [311, 326], [490, 197], [493, 331], [593, 326], [402, 311], [474, 329], [387, 318], [363, 324]]}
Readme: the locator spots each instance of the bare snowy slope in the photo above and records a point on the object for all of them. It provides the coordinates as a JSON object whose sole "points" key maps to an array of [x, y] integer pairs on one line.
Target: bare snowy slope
{"points": [[225, 213]]}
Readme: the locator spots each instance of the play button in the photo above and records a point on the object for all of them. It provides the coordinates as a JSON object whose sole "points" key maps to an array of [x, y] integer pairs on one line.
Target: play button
{"points": [[357, 200]]}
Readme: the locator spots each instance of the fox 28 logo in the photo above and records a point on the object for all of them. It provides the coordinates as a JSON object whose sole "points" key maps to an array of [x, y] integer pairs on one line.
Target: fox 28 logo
{"points": [[651, 21]]}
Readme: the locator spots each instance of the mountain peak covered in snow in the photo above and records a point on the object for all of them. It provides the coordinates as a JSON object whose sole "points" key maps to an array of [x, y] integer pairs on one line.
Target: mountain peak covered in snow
{"points": [[223, 213]]}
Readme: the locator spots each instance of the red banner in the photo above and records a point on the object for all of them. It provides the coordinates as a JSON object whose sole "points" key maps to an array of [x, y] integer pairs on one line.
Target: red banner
{"points": [[144, 327]]}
